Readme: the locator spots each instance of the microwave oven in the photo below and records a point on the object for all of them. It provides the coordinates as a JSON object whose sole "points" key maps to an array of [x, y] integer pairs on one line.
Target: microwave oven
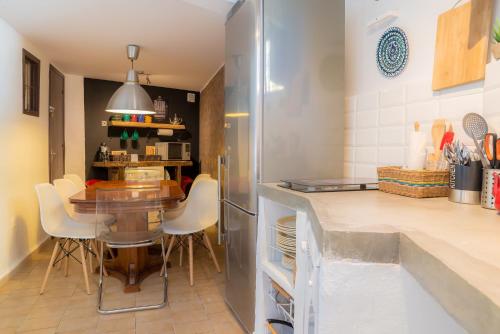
{"points": [[173, 150]]}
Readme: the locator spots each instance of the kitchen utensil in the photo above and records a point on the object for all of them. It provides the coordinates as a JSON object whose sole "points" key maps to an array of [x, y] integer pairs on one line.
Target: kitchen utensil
{"points": [[497, 148], [462, 41], [476, 127], [438, 130], [487, 192], [448, 137], [449, 154], [463, 154], [490, 143]]}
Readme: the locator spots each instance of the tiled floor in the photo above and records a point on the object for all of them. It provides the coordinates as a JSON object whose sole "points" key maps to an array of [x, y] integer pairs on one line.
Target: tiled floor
{"points": [[66, 308]]}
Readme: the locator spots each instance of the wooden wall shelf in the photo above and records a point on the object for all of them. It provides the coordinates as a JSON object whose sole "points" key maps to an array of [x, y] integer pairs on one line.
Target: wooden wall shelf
{"points": [[146, 125]]}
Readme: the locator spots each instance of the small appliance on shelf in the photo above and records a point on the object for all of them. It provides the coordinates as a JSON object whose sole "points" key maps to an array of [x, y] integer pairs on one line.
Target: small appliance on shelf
{"points": [[173, 150]]}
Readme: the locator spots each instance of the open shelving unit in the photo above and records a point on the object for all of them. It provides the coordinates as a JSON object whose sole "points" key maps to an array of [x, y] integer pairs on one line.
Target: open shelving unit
{"points": [[274, 276], [123, 124]]}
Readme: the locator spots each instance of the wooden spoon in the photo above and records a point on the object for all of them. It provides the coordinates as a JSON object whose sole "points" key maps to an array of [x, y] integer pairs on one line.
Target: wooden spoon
{"points": [[438, 131]]}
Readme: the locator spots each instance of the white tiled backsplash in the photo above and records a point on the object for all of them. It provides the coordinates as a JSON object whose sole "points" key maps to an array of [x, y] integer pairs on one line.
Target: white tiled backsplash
{"points": [[378, 123]]}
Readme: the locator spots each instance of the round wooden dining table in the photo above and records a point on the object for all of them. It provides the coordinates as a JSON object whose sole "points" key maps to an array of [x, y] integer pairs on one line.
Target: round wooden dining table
{"points": [[131, 265]]}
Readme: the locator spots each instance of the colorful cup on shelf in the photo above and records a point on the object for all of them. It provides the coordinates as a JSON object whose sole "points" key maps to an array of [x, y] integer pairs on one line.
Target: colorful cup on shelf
{"points": [[148, 119], [126, 118], [140, 118], [133, 118]]}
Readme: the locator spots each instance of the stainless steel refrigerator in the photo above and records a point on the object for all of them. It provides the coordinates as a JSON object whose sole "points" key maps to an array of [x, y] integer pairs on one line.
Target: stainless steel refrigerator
{"points": [[284, 107]]}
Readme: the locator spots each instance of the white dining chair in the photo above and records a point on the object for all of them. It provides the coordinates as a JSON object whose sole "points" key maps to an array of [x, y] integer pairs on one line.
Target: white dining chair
{"points": [[200, 212], [67, 188], [57, 223], [77, 180], [173, 213]]}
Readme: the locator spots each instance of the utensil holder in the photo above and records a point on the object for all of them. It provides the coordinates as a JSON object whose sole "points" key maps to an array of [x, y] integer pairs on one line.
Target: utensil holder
{"points": [[465, 183], [487, 197]]}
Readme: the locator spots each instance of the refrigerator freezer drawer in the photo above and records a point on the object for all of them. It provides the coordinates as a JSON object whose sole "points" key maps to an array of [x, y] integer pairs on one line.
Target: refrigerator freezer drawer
{"points": [[241, 234]]}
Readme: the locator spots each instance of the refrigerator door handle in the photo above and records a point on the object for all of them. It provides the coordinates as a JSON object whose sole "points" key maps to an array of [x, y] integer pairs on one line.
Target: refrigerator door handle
{"points": [[220, 162]]}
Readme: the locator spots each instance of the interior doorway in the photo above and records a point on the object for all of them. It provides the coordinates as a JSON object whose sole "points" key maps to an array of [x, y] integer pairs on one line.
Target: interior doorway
{"points": [[56, 124]]}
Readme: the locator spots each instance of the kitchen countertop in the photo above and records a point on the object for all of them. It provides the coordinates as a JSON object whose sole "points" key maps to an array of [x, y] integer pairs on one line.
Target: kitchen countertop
{"points": [[452, 249]]}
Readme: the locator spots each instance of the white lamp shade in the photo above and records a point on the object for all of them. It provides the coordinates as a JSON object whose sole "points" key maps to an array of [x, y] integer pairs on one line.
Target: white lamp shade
{"points": [[130, 98]]}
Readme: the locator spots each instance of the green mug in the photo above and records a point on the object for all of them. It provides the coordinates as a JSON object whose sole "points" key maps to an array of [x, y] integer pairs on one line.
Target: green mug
{"points": [[124, 135], [135, 135]]}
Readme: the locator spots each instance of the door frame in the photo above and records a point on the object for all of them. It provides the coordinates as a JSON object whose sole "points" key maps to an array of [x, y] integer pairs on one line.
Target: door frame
{"points": [[52, 68]]}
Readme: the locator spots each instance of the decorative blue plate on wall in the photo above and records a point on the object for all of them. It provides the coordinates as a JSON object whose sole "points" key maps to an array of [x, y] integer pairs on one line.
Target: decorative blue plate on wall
{"points": [[392, 52]]}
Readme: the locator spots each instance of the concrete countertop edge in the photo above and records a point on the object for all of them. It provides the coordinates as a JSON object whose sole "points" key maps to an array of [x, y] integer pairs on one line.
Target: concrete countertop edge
{"points": [[471, 308]]}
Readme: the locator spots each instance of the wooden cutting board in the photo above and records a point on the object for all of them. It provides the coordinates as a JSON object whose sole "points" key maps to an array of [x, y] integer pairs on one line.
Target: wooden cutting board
{"points": [[462, 44]]}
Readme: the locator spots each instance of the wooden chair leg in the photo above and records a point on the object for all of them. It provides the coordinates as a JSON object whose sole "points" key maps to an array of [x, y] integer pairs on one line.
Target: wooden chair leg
{"points": [[66, 247], [181, 250], [84, 266], [169, 250], [191, 278], [212, 254], [51, 263], [90, 255], [98, 256], [170, 247]]}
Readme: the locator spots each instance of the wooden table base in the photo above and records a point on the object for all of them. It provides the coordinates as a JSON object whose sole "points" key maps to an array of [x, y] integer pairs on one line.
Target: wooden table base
{"points": [[140, 267], [133, 265]]}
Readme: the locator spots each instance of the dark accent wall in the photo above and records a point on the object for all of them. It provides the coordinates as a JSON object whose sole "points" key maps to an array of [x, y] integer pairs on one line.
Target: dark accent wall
{"points": [[96, 96]]}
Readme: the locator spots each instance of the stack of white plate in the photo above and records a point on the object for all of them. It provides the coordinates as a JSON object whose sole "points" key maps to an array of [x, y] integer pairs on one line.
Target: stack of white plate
{"points": [[286, 240]]}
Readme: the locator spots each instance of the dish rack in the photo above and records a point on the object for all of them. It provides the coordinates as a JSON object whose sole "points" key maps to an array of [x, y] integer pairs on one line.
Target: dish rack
{"points": [[413, 183], [284, 303], [281, 243]]}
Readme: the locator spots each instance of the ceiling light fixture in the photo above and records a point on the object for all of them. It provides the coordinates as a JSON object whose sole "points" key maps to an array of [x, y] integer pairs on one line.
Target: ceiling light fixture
{"points": [[131, 98]]}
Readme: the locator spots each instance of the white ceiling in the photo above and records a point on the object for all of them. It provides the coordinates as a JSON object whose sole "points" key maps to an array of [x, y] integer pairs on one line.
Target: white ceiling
{"points": [[182, 41]]}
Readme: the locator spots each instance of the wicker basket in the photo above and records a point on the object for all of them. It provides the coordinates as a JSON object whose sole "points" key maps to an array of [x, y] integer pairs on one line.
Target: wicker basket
{"points": [[413, 183]]}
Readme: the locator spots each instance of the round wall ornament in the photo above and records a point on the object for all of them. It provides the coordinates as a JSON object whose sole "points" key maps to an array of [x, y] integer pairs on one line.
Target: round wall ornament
{"points": [[392, 52]]}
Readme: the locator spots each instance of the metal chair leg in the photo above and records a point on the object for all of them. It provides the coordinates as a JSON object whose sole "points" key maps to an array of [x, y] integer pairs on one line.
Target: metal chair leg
{"points": [[136, 308]]}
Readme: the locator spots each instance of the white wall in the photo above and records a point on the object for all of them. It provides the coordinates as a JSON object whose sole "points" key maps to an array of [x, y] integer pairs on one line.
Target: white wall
{"points": [[379, 111], [74, 119], [24, 162]]}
